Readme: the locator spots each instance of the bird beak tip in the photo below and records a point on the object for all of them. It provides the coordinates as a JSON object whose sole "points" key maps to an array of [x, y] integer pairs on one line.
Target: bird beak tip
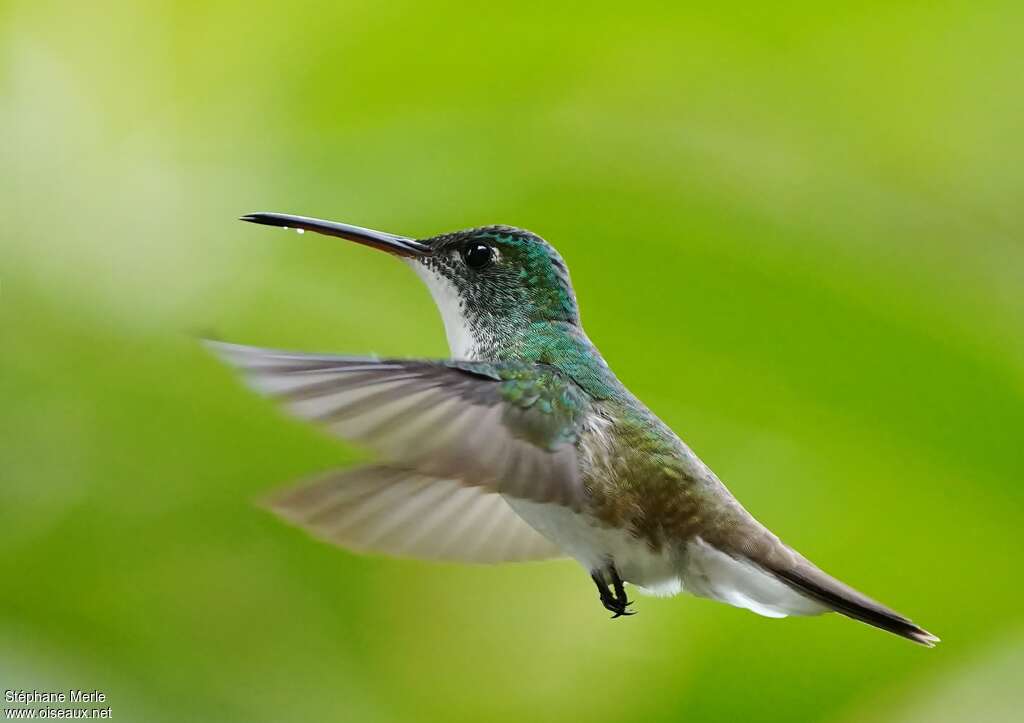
{"points": [[392, 243]]}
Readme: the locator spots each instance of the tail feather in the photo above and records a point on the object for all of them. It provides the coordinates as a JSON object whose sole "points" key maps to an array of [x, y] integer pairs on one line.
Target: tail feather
{"points": [[749, 540], [817, 585]]}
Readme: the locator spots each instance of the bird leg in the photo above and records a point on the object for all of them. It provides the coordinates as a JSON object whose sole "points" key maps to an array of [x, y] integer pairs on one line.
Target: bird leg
{"points": [[615, 602], [620, 591]]}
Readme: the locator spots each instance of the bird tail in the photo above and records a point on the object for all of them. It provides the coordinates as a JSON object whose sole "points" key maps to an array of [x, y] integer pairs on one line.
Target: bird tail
{"points": [[803, 577], [752, 568]]}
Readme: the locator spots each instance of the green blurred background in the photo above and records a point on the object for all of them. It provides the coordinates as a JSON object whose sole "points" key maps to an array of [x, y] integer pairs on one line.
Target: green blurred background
{"points": [[795, 233]]}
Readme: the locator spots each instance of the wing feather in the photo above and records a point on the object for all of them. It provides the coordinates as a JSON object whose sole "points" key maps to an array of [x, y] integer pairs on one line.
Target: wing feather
{"points": [[407, 514], [446, 420]]}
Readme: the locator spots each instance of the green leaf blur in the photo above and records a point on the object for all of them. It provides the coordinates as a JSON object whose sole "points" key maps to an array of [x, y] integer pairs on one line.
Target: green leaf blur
{"points": [[795, 231]]}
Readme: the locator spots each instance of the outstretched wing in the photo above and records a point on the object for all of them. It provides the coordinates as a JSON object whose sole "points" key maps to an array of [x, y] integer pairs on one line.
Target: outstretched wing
{"points": [[407, 514], [509, 427]]}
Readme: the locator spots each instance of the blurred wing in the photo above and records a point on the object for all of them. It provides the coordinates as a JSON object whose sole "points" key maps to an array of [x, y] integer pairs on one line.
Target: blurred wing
{"points": [[406, 514], [509, 427]]}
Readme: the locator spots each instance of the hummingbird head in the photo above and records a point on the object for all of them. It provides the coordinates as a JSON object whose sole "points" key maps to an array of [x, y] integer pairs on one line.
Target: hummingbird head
{"points": [[493, 285]]}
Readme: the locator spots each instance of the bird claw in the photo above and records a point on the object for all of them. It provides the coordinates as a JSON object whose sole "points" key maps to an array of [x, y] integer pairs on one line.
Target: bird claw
{"points": [[616, 601]]}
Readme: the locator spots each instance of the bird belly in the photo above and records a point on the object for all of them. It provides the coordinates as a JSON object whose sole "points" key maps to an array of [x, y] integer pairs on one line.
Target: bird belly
{"points": [[595, 546]]}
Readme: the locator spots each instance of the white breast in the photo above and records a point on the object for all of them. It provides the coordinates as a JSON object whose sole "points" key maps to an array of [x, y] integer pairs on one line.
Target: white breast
{"points": [[460, 338]]}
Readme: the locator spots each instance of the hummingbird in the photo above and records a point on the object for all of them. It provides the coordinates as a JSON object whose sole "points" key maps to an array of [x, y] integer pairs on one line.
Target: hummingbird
{"points": [[524, 445]]}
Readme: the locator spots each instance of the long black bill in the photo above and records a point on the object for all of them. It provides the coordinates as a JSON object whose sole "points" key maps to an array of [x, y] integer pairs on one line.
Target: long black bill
{"points": [[398, 245]]}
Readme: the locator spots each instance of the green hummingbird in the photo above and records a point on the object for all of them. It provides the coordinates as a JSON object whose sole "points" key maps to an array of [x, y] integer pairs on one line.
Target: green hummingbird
{"points": [[524, 445]]}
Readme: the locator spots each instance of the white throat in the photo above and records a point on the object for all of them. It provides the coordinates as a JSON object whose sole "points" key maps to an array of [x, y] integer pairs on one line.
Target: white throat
{"points": [[461, 341]]}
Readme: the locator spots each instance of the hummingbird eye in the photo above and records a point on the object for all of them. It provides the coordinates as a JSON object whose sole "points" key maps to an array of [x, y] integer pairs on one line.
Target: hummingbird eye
{"points": [[478, 256]]}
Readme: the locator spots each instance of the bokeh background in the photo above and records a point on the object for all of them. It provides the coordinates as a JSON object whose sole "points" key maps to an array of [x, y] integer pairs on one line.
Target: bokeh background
{"points": [[795, 231]]}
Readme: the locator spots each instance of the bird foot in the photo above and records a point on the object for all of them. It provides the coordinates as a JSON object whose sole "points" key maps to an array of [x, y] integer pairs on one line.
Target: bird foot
{"points": [[615, 602]]}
